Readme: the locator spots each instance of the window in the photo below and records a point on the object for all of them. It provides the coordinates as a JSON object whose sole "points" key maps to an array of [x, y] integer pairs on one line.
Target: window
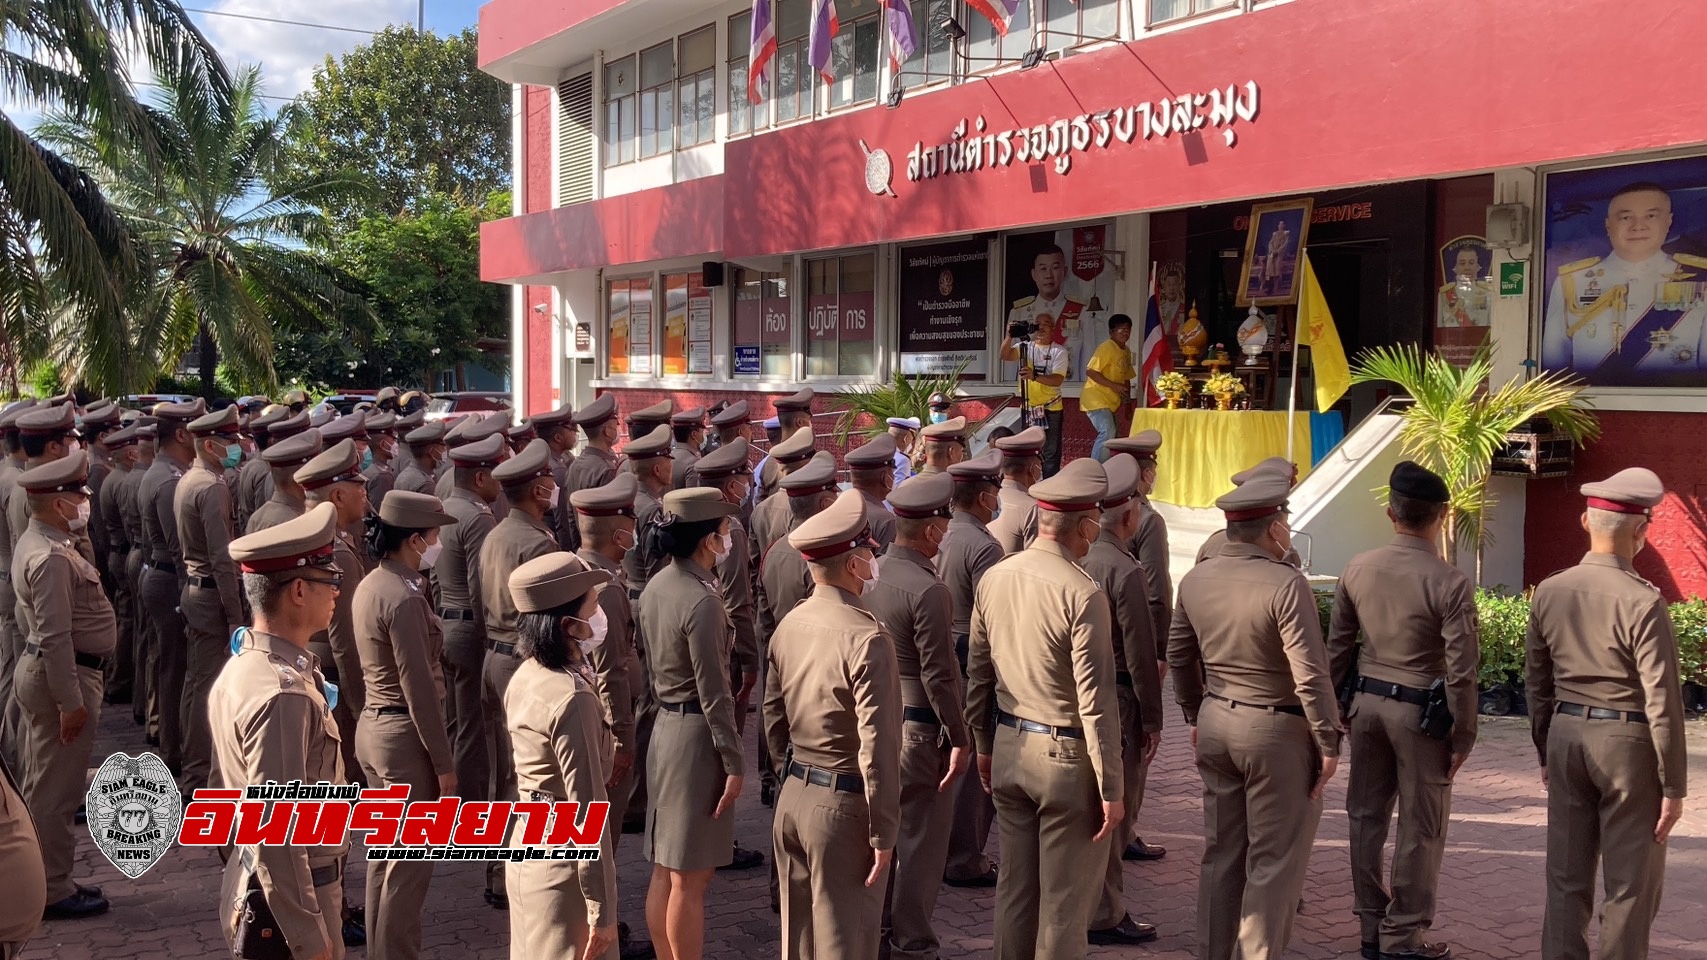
{"points": [[629, 303], [687, 325], [764, 331], [853, 54], [696, 87], [933, 61], [1162, 11], [657, 99], [793, 93], [984, 46], [1073, 22], [841, 303], [744, 115], [619, 111]]}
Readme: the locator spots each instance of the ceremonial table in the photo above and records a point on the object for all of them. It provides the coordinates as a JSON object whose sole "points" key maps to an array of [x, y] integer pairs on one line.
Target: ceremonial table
{"points": [[1202, 449]]}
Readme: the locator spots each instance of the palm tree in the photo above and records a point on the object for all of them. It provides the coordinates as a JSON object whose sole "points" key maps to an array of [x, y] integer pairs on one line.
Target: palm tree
{"points": [[1455, 424], [221, 228]]}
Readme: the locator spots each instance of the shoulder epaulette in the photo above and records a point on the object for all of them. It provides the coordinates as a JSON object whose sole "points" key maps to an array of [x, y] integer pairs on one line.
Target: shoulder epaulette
{"points": [[1576, 265]]}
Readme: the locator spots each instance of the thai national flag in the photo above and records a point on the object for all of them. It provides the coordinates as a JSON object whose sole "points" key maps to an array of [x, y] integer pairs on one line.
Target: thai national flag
{"points": [[903, 39], [825, 25], [760, 52], [1157, 356], [998, 12]]}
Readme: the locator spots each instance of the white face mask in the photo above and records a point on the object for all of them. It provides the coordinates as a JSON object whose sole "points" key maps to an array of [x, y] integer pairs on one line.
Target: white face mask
{"points": [[726, 545], [81, 520], [72, 446], [431, 554], [599, 624], [866, 586], [551, 498], [633, 540]]}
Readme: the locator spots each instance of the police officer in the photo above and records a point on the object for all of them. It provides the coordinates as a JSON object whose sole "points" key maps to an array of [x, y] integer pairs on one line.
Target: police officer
{"points": [[731, 423], [1278, 466], [145, 711], [46, 433], [289, 501], [967, 553], [461, 609], [945, 444], [1041, 704], [871, 467], [522, 434], [642, 422], [162, 585], [520, 536], [1022, 466], [695, 765], [1607, 712], [211, 602], [557, 429], [426, 450], [120, 447], [382, 448], [562, 908], [793, 416], [11, 640], [100, 419], [271, 722], [770, 513], [832, 717], [688, 430], [400, 738], [473, 431], [70, 633], [1251, 674], [1138, 684], [905, 430], [597, 462], [648, 459], [250, 476], [726, 470], [21, 862], [917, 613]]}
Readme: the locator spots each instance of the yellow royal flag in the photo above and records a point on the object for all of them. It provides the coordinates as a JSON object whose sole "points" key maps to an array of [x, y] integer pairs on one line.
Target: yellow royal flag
{"points": [[1317, 331]]}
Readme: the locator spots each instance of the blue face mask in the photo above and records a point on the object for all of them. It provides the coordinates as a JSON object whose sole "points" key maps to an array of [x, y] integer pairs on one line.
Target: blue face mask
{"points": [[237, 636], [233, 455], [939, 416], [367, 458]]}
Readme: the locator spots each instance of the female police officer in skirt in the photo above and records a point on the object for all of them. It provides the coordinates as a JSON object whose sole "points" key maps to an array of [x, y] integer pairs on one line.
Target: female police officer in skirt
{"points": [[695, 764], [563, 751], [400, 737]]}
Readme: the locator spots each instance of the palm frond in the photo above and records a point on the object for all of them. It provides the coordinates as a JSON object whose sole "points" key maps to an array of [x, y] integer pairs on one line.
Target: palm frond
{"points": [[908, 395]]}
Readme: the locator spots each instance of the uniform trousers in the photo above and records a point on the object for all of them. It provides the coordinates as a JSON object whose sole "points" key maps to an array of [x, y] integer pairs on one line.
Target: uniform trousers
{"points": [[1603, 794], [497, 671], [1258, 769], [1111, 907], [1048, 809], [329, 897], [767, 765], [464, 657], [116, 579], [969, 828], [160, 603], [548, 911], [142, 706], [635, 790], [921, 846], [54, 782], [1394, 762], [11, 648], [207, 645], [391, 753], [823, 852], [344, 714]]}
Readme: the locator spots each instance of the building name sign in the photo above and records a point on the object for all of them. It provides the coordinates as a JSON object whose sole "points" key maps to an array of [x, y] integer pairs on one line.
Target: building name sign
{"points": [[973, 149]]}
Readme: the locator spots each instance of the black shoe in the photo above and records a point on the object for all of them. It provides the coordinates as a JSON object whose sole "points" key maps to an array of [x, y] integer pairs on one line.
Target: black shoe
{"points": [[152, 739], [1422, 951], [629, 948], [1128, 931], [984, 880], [76, 907], [1371, 950], [355, 928], [634, 826], [744, 859], [118, 696], [1139, 850], [88, 891], [497, 901], [767, 793]]}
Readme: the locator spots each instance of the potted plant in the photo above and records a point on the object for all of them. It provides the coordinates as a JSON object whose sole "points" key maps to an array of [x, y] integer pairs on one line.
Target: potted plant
{"points": [[1223, 387], [1173, 386], [1504, 629], [868, 407]]}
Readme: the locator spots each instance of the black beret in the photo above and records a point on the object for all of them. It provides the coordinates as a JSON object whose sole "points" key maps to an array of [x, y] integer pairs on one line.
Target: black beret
{"points": [[1417, 482]]}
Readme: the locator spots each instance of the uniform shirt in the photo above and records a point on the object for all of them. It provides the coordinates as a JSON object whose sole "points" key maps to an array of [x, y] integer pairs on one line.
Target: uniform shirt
{"points": [[155, 498], [412, 479], [1150, 546], [616, 668], [832, 697], [688, 640], [340, 634], [271, 722], [112, 512], [557, 731], [770, 523], [8, 480], [1246, 629], [1418, 617], [766, 475], [1016, 526], [401, 646], [914, 607], [881, 520], [458, 567], [1041, 651], [203, 505], [735, 576], [1114, 362], [283, 506], [787, 581], [18, 519], [967, 553], [634, 565], [1218, 541], [1599, 635], [254, 487], [100, 470], [683, 458], [595, 467], [1111, 564], [381, 478], [516, 539], [124, 496], [1593, 295], [20, 858], [61, 608]]}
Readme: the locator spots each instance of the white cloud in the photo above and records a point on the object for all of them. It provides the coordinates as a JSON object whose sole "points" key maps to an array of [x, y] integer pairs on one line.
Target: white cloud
{"points": [[289, 55]]}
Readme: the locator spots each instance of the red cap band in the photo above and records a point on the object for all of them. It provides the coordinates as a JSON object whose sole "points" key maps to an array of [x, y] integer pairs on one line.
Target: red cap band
{"points": [[1255, 513], [351, 476], [863, 539], [1616, 507], [280, 564], [1066, 507]]}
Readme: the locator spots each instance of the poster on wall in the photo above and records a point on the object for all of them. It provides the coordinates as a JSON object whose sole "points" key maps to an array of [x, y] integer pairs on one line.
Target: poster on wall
{"points": [[675, 325], [1462, 298], [618, 313], [1270, 274], [1625, 270], [640, 326], [1058, 276], [944, 314]]}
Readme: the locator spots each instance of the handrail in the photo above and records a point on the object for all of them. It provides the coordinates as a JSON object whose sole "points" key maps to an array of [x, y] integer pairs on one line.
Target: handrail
{"points": [[1384, 407]]}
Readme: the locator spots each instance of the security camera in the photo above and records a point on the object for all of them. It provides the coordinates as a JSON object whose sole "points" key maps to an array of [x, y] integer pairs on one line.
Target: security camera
{"points": [[539, 308]]}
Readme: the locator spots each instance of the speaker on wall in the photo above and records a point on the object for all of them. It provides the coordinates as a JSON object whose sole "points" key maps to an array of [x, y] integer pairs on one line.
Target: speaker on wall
{"points": [[711, 273]]}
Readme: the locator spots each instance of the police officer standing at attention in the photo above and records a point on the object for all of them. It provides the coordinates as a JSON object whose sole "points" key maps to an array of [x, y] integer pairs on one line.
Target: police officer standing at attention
{"points": [[945, 444], [688, 430], [770, 519], [726, 470], [597, 462], [793, 416], [1022, 466], [121, 453], [1278, 466], [1413, 721], [269, 713], [162, 590], [289, 500], [915, 609], [1246, 636], [1607, 711], [11, 637], [143, 707], [251, 476], [649, 461], [462, 611], [426, 449], [47, 434], [832, 718], [871, 468], [69, 635]]}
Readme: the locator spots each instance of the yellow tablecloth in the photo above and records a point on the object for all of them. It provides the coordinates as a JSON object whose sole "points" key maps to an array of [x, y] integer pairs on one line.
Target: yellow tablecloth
{"points": [[1202, 449]]}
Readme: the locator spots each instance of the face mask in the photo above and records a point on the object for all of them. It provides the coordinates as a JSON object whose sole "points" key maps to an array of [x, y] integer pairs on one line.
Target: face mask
{"points": [[725, 545], [868, 585], [1094, 533], [81, 520], [72, 446], [996, 510], [431, 554], [367, 458], [599, 624], [551, 498], [233, 455], [939, 416], [633, 540]]}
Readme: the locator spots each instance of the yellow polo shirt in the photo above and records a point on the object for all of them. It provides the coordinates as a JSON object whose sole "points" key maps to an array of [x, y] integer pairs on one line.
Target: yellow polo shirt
{"points": [[1114, 362]]}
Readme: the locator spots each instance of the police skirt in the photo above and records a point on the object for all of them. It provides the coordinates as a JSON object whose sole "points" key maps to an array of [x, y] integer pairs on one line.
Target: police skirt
{"points": [[684, 776]]}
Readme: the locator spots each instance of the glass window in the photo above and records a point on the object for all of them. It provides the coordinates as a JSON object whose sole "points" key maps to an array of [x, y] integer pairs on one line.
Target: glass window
{"points": [[853, 54], [794, 72], [763, 328], [696, 87], [629, 314], [1162, 11], [687, 326], [657, 100], [1073, 22], [744, 116], [933, 61], [619, 111], [986, 47], [841, 316]]}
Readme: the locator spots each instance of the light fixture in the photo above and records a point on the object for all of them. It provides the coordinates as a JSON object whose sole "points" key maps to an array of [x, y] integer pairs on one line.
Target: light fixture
{"points": [[895, 96], [1032, 58], [953, 29]]}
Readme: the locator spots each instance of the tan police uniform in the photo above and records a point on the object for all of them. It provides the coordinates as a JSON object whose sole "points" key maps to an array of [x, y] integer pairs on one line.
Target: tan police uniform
{"points": [[878, 453], [968, 552], [335, 647], [464, 617], [615, 666], [381, 475], [271, 722], [472, 430], [120, 486], [413, 478], [144, 711], [1040, 700], [20, 860], [1278, 466], [288, 455], [640, 564], [770, 518], [915, 610], [1016, 527], [253, 475], [772, 471], [695, 745], [937, 437], [724, 423], [560, 421], [736, 574], [164, 580], [683, 453], [1607, 713], [400, 738], [563, 754], [1247, 637], [70, 633], [100, 417], [1417, 614], [11, 639], [595, 465]]}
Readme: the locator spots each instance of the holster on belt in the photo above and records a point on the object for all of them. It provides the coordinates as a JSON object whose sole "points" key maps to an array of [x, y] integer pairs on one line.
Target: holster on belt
{"points": [[962, 650], [258, 936], [1437, 712]]}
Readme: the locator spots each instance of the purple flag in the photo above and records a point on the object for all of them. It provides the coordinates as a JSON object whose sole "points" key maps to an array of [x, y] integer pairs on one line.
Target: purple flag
{"points": [[903, 39], [825, 25], [760, 52]]}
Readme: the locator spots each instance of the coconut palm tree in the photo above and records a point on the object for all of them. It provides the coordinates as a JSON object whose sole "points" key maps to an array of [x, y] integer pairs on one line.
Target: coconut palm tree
{"points": [[1455, 424], [221, 227]]}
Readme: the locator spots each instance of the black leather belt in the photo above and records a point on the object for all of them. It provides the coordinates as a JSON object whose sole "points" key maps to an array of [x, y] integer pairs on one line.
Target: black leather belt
{"points": [[1291, 708], [686, 707], [389, 711], [1601, 713], [1124, 679], [962, 650], [1032, 726], [1392, 691], [165, 566], [88, 660], [507, 649], [206, 583], [540, 796], [448, 614], [921, 715], [839, 782], [120, 548], [634, 594]]}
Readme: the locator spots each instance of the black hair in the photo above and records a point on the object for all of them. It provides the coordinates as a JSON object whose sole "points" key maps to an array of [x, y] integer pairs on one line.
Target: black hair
{"points": [[1000, 432], [540, 637], [1413, 513], [383, 539], [680, 538], [683, 432], [1119, 320], [1640, 186], [35, 444]]}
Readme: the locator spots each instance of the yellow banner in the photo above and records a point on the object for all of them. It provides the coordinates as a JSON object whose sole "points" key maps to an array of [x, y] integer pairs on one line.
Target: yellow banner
{"points": [[1316, 330]]}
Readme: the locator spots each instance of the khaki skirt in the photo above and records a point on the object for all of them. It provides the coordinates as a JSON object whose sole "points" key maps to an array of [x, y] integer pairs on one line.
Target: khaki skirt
{"points": [[684, 776]]}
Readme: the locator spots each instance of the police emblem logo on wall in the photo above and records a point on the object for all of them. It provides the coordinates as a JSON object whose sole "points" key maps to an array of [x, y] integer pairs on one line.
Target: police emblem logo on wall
{"points": [[134, 811]]}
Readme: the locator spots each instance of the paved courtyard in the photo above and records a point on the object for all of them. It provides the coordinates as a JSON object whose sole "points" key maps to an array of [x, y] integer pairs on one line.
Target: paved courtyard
{"points": [[1490, 890]]}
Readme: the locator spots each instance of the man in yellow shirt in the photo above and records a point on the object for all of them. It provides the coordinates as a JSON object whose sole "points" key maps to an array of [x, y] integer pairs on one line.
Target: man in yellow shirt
{"points": [[1043, 368], [1108, 382]]}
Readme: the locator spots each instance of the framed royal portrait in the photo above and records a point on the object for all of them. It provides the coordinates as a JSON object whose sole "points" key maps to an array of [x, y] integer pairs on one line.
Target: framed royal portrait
{"points": [[1271, 273]]}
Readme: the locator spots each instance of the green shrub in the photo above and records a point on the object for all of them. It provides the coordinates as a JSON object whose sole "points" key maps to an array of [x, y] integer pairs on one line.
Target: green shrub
{"points": [[1689, 622], [1325, 609], [1504, 622]]}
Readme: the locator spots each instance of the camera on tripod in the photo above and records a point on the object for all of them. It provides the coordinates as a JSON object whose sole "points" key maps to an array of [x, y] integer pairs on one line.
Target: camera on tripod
{"points": [[1022, 329]]}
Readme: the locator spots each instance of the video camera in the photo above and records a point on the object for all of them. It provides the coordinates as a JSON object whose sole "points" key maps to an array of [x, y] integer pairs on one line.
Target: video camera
{"points": [[1022, 329]]}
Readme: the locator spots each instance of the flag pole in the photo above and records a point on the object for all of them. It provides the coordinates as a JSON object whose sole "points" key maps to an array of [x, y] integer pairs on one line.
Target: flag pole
{"points": [[1292, 382]]}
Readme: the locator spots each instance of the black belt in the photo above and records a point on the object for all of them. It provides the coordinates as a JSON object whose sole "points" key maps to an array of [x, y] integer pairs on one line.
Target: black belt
{"points": [[206, 583], [82, 659], [686, 707], [921, 715], [1124, 679], [164, 565], [389, 711], [120, 549], [540, 796], [962, 650], [635, 594], [839, 782], [1601, 713], [1392, 691], [448, 614], [1291, 708], [1032, 726], [507, 649], [321, 876]]}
